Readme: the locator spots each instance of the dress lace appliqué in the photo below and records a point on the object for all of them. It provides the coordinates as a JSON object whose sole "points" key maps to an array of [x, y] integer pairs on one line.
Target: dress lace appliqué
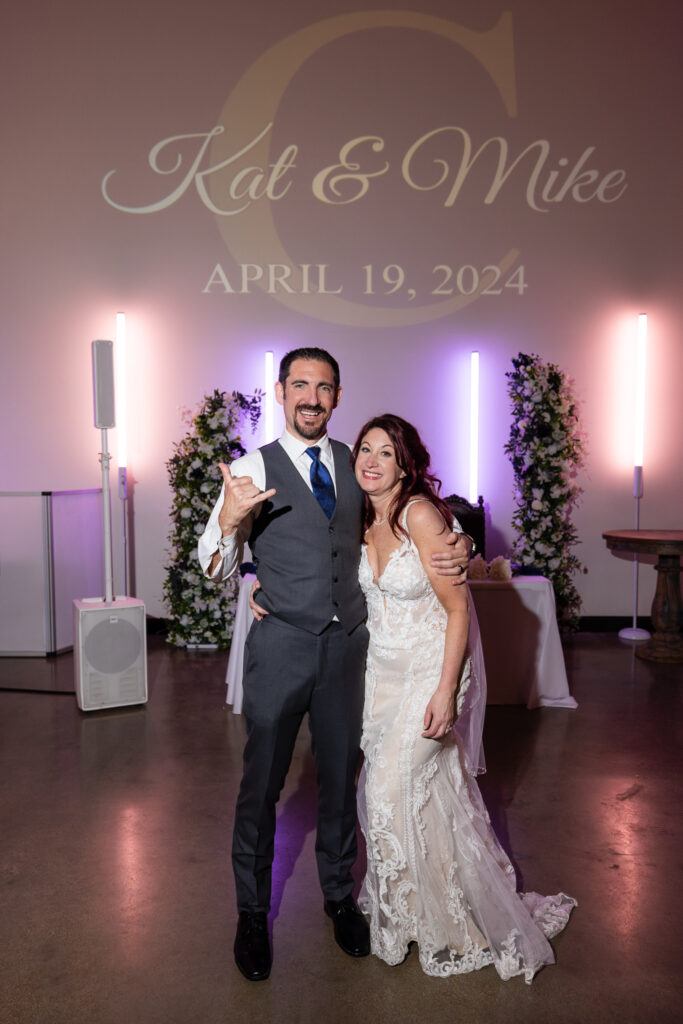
{"points": [[436, 874]]}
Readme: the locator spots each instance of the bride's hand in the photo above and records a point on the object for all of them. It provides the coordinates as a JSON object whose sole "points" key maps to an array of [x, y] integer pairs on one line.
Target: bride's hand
{"points": [[440, 715]]}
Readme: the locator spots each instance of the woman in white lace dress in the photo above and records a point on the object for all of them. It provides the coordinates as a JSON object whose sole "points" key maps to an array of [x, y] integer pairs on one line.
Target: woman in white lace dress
{"points": [[436, 874]]}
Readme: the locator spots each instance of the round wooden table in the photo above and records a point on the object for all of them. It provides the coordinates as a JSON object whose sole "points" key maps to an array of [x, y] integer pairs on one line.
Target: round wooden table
{"points": [[666, 643]]}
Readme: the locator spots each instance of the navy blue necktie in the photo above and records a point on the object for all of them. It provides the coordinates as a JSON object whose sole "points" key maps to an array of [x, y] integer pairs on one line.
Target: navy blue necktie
{"points": [[321, 482]]}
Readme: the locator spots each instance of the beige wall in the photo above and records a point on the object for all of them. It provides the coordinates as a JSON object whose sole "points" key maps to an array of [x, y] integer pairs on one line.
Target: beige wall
{"points": [[576, 88]]}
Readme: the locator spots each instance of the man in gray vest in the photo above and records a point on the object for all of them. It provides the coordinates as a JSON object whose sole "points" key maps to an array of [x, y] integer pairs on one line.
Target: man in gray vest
{"points": [[297, 503]]}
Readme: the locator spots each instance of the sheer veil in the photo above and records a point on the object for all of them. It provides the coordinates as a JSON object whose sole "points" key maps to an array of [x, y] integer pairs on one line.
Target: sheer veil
{"points": [[471, 702]]}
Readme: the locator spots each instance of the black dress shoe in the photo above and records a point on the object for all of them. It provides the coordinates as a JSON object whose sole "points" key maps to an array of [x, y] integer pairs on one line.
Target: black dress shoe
{"points": [[252, 947], [351, 930]]}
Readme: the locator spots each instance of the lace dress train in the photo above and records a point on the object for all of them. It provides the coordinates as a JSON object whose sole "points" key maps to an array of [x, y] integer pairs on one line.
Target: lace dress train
{"points": [[436, 874]]}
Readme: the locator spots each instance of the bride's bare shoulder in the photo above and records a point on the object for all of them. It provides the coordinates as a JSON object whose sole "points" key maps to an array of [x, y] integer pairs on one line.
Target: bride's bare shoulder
{"points": [[422, 517]]}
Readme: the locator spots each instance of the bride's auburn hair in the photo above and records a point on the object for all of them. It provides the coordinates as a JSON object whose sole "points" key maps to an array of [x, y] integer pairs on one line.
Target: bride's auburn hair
{"points": [[413, 458]]}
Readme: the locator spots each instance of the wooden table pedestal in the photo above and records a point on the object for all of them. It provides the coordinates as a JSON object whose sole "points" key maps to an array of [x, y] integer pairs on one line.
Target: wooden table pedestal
{"points": [[666, 643]]}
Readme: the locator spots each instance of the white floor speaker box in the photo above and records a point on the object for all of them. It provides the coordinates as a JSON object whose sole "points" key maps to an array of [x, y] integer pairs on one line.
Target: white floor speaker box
{"points": [[110, 653]]}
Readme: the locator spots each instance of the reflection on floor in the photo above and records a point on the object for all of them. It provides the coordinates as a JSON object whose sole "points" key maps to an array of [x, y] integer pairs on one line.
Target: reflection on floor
{"points": [[117, 900]]}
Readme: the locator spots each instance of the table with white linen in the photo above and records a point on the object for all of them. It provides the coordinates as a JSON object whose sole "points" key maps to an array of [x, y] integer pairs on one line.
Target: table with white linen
{"points": [[521, 642], [522, 647]]}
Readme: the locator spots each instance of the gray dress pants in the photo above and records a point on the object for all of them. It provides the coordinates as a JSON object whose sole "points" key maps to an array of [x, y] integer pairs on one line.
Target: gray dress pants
{"points": [[288, 672]]}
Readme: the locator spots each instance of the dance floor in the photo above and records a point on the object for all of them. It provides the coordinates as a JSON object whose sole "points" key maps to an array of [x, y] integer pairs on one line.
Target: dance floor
{"points": [[117, 895]]}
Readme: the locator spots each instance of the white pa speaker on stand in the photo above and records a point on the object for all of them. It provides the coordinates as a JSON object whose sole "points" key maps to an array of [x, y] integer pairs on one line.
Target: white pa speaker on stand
{"points": [[110, 651], [110, 639]]}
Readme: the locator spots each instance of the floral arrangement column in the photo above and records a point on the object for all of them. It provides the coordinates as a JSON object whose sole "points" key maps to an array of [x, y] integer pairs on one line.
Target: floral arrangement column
{"points": [[202, 612], [546, 450]]}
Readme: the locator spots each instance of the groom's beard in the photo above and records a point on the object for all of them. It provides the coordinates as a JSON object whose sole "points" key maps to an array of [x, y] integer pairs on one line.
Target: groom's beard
{"points": [[314, 428]]}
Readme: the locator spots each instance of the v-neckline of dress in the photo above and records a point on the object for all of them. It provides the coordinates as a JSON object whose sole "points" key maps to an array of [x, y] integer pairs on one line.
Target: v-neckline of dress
{"points": [[377, 580], [405, 540]]}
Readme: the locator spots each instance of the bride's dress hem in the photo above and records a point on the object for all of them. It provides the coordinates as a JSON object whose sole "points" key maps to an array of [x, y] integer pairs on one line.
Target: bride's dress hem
{"points": [[550, 914]]}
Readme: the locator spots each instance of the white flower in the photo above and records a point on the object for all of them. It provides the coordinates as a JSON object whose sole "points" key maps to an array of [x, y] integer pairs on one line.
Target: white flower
{"points": [[476, 570], [500, 568]]}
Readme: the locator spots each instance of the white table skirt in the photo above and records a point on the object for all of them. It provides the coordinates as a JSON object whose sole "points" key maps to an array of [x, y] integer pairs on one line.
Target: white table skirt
{"points": [[522, 648], [521, 642], [243, 620]]}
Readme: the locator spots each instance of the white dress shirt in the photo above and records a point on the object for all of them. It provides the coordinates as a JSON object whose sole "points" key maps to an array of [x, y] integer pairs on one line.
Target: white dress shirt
{"points": [[252, 465]]}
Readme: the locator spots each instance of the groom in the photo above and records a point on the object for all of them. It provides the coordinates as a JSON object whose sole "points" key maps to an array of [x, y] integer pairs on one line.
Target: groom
{"points": [[297, 503]]}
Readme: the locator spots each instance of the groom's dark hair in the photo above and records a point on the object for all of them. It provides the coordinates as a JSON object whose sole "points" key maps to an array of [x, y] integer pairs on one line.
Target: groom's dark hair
{"points": [[318, 354]]}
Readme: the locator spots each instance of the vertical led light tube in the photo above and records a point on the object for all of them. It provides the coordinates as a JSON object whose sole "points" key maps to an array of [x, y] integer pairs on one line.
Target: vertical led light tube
{"points": [[641, 367], [474, 427], [633, 632], [121, 397], [120, 362], [268, 398]]}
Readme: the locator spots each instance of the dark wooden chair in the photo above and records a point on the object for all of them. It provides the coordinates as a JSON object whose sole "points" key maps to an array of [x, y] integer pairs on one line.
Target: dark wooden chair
{"points": [[471, 518]]}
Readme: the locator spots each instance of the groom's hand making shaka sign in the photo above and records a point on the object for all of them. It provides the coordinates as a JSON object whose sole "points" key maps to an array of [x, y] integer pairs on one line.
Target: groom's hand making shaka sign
{"points": [[240, 497]]}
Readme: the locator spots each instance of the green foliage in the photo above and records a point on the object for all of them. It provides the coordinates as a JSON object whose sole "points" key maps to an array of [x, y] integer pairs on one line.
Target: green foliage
{"points": [[202, 612], [547, 451]]}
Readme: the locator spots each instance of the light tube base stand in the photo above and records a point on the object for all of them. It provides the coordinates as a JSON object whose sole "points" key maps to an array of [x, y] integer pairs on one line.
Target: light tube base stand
{"points": [[633, 632]]}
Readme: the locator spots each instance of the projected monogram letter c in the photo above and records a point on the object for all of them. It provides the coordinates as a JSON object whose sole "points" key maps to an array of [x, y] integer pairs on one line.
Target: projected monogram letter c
{"points": [[253, 236]]}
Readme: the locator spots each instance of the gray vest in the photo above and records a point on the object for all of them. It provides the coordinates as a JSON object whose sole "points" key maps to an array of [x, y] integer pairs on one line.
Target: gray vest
{"points": [[307, 564]]}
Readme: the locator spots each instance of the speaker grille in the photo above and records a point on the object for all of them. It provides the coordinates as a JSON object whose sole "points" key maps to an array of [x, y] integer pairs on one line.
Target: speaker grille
{"points": [[112, 646], [110, 653], [101, 691]]}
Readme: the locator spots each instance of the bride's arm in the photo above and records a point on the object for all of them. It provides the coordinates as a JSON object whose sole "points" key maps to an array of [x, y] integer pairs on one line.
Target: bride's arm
{"points": [[429, 533]]}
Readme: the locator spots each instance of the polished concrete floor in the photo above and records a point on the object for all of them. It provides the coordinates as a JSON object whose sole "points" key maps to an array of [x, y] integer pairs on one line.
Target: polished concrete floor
{"points": [[116, 900]]}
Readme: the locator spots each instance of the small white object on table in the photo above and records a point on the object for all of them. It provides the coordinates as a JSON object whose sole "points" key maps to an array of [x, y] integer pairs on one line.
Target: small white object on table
{"points": [[522, 647]]}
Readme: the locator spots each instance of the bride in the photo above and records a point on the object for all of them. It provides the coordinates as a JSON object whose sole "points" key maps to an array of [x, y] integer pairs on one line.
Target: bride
{"points": [[436, 874]]}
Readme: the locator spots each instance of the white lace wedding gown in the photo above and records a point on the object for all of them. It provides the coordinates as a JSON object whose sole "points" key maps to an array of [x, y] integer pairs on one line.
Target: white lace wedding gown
{"points": [[436, 873]]}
